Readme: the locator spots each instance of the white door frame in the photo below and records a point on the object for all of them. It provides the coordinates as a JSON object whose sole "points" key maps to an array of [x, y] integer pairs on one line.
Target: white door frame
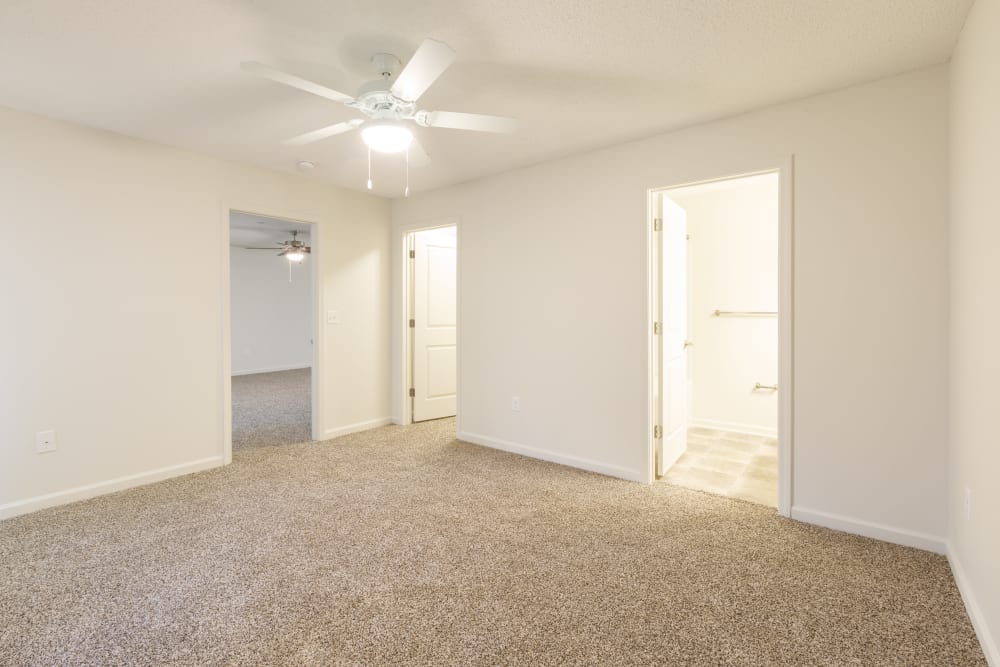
{"points": [[402, 309], [786, 251], [318, 328]]}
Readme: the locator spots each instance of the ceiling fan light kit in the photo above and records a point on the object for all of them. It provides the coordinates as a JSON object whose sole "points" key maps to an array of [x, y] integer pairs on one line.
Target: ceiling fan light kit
{"points": [[386, 137], [390, 103]]}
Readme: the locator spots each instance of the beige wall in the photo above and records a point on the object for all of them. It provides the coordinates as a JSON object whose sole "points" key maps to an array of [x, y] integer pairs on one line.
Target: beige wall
{"points": [[112, 305], [553, 304], [975, 318], [271, 316]]}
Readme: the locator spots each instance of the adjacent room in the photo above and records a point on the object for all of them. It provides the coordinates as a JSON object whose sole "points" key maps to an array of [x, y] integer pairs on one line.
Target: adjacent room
{"points": [[271, 306], [459, 332], [727, 299]]}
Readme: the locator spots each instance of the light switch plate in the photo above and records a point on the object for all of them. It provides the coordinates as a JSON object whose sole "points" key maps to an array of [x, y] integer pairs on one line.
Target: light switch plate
{"points": [[333, 317]]}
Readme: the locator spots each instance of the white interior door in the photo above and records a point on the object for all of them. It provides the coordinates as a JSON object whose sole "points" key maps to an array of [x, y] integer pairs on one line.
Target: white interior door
{"points": [[433, 322], [672, 351]]}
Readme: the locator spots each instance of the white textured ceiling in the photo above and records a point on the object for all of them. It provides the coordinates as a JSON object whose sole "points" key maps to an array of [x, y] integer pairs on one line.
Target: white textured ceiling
{"points": [[248, 230], [579, 74]]}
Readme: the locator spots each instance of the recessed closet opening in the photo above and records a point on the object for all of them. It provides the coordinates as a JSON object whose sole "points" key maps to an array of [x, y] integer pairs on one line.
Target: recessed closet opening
{"points": [[431, 316]]}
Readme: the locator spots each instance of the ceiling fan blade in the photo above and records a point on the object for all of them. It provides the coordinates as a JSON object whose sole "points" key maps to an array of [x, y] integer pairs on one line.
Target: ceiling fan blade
{"points": [[467, 121], [273, 74], [262, 248], [427, 64], [323, 133], [417, 156]]}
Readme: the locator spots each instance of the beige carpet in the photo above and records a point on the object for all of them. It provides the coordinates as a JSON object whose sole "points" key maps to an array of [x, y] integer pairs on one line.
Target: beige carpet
{"points": [[404, 546], [272, 409]]}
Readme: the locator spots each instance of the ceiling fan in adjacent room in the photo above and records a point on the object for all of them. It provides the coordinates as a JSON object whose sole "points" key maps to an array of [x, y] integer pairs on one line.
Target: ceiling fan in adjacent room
{"points": [[390, 104], [293, 250]]}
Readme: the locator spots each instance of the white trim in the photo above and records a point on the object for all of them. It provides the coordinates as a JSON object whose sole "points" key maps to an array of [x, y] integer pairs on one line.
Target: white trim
{"points": [[273, 369], [226, 344], [786, 332], [19, 507], [554, 457], [877, 531], [746, 429], [986, 640], [651, 315], [786, 317], [355, 428]]}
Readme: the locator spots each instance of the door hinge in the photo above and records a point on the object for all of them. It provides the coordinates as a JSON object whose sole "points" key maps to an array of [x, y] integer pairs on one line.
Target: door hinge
{"points": [[657, 328], [687, 237], [413, 392], [657, 224], [413, 253], [413, 323], [657, 432]]}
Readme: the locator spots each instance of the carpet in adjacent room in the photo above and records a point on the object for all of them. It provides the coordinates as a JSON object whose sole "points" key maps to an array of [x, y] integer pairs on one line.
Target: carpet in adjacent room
{"points": [[271, 409]]}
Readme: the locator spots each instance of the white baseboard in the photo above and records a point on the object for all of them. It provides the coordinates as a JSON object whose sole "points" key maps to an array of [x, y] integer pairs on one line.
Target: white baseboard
{"points": [[355, 428], [27, 505], [554, 457], [877, 531], [747, 429], [273, 369], [986, 640]]}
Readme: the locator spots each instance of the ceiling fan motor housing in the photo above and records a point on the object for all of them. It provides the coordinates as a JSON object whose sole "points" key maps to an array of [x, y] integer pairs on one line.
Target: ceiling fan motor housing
{"points": [[376, 101]]}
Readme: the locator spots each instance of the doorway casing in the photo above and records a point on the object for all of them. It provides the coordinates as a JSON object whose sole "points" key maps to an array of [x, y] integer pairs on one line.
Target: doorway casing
{"points": [[784, 169], [318, 328], [402, 362]]}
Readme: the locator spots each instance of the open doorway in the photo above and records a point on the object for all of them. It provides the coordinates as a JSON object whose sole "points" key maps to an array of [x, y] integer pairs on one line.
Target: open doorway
{"points": [[719, 351], [271, 325], [432, 316]]}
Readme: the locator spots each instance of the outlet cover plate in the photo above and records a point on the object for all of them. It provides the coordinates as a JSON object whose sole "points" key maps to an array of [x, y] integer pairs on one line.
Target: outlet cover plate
{"points": [[45, 441]]}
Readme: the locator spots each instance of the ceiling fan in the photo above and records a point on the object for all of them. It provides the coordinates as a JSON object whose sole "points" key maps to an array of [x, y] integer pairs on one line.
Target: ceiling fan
{"points": [[293, 250], [390, 103]]}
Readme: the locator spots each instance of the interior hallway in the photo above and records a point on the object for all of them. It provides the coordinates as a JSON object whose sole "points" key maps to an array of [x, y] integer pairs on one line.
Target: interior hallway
{"points": [[729, 464], [272, 409]]}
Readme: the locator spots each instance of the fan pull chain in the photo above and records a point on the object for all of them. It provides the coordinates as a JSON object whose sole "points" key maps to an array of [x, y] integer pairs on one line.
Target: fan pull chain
{"points": [[369, 168], [289, 272], [406, 192]]}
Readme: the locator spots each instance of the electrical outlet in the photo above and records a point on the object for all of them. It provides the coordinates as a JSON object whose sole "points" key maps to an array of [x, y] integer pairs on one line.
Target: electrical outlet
{"points": [[45, 441], [515, 403], [968, 504]]}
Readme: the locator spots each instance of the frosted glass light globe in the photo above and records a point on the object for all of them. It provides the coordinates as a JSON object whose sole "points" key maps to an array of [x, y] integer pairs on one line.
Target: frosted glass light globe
{"points": [[387, 137]]}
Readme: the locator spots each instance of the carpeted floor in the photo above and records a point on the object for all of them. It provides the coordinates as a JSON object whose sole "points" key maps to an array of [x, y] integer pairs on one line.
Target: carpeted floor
{"points": [[405, 546], [272, 409]]}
